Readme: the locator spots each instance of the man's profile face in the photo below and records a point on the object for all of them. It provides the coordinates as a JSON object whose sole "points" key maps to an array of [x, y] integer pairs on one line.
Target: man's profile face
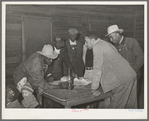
{"points": [[47, 61], [58, 43], [57, 47], [114, 37], [88, 43]]}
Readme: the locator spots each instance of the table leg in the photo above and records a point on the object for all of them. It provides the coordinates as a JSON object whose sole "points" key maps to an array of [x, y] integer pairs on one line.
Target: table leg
{"points": [[67, 107], [43, 102]]}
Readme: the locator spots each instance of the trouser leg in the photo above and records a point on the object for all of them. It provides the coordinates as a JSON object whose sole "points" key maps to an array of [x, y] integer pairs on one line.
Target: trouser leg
{"points": [[122, 94], [132, 100]]}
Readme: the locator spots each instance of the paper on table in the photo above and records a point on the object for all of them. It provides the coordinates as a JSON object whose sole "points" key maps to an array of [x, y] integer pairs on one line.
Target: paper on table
{"points": [[81, 81], [55, 82]]}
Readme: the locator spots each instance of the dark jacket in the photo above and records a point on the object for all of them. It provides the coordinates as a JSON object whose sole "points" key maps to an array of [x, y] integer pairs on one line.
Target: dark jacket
{"points": [[80, 64], [33, 68], [132, 52], [56, 69]]}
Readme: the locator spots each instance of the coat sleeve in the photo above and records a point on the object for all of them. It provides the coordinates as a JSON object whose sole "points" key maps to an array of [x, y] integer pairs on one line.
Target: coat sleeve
{"points": [[97, 66], [139, 56], [37, 74]]}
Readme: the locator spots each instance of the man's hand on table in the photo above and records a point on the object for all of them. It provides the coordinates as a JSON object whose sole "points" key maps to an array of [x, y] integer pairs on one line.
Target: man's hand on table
{"points": [[96, 93], [50, 79], [62, 85], [40, 90]]}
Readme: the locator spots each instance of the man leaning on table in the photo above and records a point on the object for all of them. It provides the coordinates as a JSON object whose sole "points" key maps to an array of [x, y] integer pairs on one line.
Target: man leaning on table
{"points": [[113, 72], [34, 68]]}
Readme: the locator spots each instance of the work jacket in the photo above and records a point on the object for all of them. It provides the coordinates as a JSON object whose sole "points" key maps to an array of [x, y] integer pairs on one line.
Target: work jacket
{"points": [[34, 69], [130, 49]]}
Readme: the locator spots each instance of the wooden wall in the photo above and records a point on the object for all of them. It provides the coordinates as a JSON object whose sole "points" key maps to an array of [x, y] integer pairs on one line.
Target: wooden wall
{"points": [[139, 27], [63, 17]]}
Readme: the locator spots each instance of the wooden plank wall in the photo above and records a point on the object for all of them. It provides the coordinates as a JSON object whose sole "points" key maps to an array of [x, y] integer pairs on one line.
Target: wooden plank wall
{"points": [[13, 43], [96, 18], [139, 27]]}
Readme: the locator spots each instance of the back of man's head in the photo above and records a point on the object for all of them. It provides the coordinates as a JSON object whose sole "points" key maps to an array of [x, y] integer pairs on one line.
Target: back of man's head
{"points": [[91, 35]]}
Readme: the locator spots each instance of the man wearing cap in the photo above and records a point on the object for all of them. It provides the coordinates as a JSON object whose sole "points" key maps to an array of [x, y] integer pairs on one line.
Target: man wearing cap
{"points": [[129, 48], [75, 52], [56, 69], [29, 99], [35, 67], [113, 72]]}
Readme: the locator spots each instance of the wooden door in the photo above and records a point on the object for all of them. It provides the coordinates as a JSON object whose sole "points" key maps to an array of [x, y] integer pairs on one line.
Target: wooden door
{"points": [[36, 33]]}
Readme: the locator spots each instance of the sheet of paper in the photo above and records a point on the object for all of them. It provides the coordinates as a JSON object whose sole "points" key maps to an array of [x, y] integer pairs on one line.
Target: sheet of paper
{"points": [[81, 81], [55, 82]]}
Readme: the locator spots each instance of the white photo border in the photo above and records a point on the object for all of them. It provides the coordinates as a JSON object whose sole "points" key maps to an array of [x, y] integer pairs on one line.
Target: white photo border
{"points": [[68, 113]]}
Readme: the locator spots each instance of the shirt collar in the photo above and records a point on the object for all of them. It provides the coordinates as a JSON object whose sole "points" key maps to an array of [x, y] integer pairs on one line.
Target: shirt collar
{"points": [[121, 40], [57, 50], [72, 43], [97, 41]]}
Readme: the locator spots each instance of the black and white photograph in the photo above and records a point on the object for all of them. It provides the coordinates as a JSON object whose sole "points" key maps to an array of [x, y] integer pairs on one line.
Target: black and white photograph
{"points": [[74, 60]]}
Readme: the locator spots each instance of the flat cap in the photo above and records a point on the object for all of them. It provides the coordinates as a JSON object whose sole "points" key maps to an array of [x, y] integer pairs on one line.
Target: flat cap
{"points": [[73, 31]]}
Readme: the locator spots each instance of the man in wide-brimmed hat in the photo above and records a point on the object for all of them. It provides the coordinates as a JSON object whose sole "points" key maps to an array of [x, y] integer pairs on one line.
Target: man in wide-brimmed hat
{"points": [[35, 67], [55, 71], [129, 48]]}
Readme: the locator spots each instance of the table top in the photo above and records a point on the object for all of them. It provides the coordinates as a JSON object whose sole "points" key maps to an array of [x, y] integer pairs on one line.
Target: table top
{"points": [[79, 95]]}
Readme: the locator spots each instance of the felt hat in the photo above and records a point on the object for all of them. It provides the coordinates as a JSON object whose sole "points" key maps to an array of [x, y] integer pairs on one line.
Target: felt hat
{"points": [[113, 28], [48, 52], [28, 87], [59, 42], [73, 31]]}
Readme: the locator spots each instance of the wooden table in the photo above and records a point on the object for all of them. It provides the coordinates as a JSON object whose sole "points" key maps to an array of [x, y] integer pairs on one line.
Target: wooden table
{"points": [[77, 96]]}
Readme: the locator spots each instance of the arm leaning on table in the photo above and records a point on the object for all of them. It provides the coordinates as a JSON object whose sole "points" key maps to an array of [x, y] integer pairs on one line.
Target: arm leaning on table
{"points": [[37, 77], [97, 65]]}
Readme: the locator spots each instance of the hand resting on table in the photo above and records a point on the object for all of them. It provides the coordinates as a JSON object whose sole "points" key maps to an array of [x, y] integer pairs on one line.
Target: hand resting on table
{"points": [[96, 93]]}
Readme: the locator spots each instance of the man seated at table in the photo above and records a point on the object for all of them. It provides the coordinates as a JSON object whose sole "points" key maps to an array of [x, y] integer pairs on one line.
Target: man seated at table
{"points": [[113, 72], [55, 70], [34, 69]]}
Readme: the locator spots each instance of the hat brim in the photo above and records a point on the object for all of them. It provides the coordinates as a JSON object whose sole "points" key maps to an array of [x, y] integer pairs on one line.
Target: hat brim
{"points": [[53, 56], [120, 30]]}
